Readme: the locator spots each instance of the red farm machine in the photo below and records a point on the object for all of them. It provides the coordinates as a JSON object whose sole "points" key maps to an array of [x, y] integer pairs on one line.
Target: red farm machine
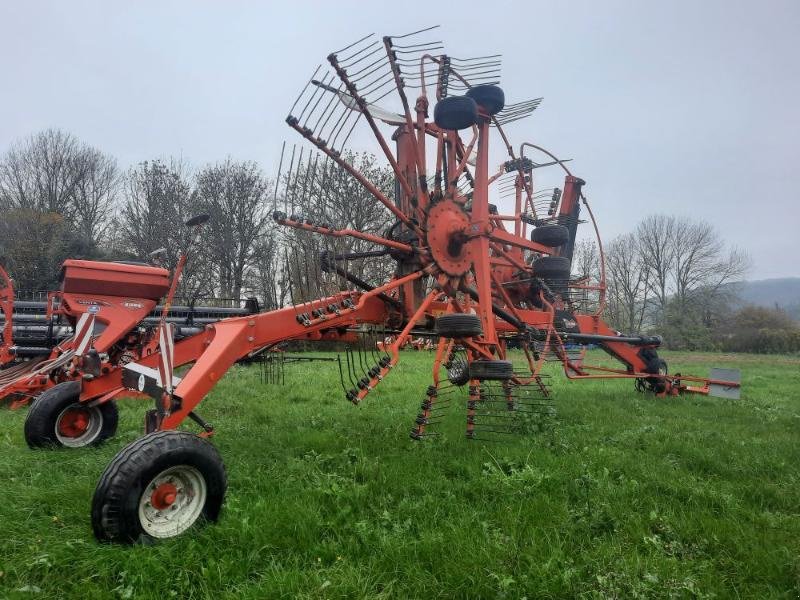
{"points": [[105, 315], [473, 276]]}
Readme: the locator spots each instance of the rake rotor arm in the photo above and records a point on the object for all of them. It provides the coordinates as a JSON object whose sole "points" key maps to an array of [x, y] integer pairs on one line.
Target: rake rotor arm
{"points": [[336, 157], [333, 60], [328, 264], [498, 310], [282, 219], [505, 237]]}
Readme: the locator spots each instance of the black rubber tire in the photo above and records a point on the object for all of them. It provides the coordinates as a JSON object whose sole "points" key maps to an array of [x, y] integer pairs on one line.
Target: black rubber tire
{"points": [[455, 112], [40, 424], [552, 267], [115, 504], [550, 235], [458, 325], [458, 373], [491, 369], [657, 365], [489, 97]]}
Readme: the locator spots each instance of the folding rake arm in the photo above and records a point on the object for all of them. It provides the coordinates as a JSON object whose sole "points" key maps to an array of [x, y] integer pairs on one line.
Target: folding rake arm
{"points": [[233, 339]]}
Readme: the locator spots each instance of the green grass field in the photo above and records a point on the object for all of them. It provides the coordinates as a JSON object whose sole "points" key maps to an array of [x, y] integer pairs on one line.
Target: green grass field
{"points": [[619, 495]]}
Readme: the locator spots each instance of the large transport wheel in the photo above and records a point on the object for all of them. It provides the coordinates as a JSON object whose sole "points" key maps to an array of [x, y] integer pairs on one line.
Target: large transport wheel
{"points": [[491, 369], [56, 418], [458, 325], [158, 487]]}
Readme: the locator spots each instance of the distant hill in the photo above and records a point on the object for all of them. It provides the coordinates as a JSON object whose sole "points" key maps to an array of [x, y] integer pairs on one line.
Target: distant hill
{"points": [[785, 292]]}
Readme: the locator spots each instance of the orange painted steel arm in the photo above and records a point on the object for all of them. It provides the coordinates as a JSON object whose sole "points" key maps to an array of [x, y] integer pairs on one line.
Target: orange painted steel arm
{"points": [[236, 338], [480, 245], [7, 308]]}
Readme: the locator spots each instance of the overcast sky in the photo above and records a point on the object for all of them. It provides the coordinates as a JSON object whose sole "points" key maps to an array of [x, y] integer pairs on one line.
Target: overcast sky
{"points": [[688, 108]]}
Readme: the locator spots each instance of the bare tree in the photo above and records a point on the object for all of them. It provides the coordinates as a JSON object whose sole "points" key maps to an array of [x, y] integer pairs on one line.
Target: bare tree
{"points": [[235, 194], [52, 171], [689, 268], [656, 235], [627, 283], [95, 194], [701, 261], [324, 193], [41, 173], [156, 205], [586, 260], [268, 277]]}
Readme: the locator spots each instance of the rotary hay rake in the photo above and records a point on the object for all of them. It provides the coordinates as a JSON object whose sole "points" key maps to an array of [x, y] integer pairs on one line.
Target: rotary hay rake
{"points": [[467, 273]]}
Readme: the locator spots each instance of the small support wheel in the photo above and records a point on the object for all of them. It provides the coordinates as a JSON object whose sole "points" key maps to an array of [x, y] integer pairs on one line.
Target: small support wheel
{"points": [[455, 113], [499, 370], [490, 98], [158, 487], [458, 325], [658, 366], [57, 419], [550, 235], [552, 267]]}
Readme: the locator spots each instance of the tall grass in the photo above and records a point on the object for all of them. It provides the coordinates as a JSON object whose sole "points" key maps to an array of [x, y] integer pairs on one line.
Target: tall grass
{"points": [[619, 495]]}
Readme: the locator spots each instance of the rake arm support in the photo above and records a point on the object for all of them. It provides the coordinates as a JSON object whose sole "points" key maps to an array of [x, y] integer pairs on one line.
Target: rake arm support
{"points": [[394, 349]]}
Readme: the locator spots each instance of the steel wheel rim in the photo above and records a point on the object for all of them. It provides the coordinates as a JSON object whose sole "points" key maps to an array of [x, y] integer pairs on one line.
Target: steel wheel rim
{"points": [[78, 425], [172, 502]]}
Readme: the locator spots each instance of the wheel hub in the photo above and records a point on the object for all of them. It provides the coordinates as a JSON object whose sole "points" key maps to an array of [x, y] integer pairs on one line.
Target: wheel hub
{"points": [[164, 496], [447, 226], [74, 422], [172, 501]]}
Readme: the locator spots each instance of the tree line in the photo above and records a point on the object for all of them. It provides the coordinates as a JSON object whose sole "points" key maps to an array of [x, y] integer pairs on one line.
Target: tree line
{"points": [[62, 198], [675, 276]]}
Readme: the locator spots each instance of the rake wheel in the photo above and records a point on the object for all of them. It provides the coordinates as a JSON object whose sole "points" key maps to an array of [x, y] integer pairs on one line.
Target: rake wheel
{"points": [[490, 98], [657, 366], [552, 267]]}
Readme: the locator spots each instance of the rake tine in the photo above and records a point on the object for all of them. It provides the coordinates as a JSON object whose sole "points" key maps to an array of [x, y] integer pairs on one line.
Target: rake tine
{"points": [[358, 41], [313, 75]]}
